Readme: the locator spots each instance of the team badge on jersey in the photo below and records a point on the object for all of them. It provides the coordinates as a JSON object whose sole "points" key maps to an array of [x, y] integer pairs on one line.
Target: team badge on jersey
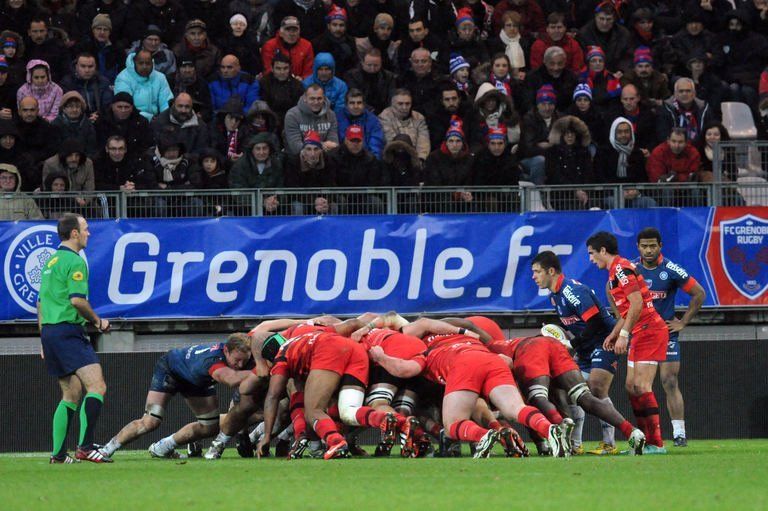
{"points": [[25, 261], [744, 253], [77, 276]]}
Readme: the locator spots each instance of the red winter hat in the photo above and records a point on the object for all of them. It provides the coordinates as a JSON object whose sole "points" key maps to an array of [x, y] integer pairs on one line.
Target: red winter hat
{"points": [[312, 137], [455, 128], [354, 132], [464, 14], [336, 13], [498, 133]]}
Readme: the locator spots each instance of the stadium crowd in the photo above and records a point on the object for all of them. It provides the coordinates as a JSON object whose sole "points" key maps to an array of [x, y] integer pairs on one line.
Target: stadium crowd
{"points": [[106, 95]]}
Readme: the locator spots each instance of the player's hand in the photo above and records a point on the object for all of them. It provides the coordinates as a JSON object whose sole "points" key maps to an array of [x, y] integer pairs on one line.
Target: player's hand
{"points": [[376, 353], [675, 325], [260, 446], [610, 341], [103, 325], [42, 353], [358, 334], [620, 347]]}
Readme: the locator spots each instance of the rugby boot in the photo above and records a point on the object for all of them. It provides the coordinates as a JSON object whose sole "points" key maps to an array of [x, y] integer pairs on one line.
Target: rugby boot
{"points": [[636, 442], [298, 448], [282, 448], [567, 428], [194, 450], [555, 441], [382, 450], [92, 455], [485, 445], [680, 441], [356, 450], [389, 429], [65, 459], [340, 450], [448, 448], [514, 447], [654, 449], [214, 451], [407, 433], [604, 449], [244, 445]]}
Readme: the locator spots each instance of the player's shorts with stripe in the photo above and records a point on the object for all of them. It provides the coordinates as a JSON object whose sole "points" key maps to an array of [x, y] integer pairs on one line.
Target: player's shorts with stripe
{"points": [[673, 347], [599, 359], [164, 380], [66, 348], [342, 356], [534, 359], [649, 344], [479, 372]]}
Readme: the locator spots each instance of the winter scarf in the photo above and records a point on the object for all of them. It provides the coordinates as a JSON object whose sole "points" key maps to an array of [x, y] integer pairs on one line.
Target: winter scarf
{"points": [[513, 50], [624, 149]]}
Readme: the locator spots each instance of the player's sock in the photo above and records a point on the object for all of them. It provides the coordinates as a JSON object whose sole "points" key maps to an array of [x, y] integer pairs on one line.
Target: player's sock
{"points": [[63, 415], [496, 425], [297, 414], [553, 416], [112, 446], [433, 428], [467, 431], [326, 430], [256, 434], [533, 419], [222, 437], [167, 444], [89, 414], [678, 428], [653, 422], [609, 432], [626, 429], [288, 432], [367, 416], [639, 412], [333, 413], [578, 415]]}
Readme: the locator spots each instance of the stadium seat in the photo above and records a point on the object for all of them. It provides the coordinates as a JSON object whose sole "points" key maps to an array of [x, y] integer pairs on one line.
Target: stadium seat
{"points": [[756, 194], [536, 201], [738, 120]]}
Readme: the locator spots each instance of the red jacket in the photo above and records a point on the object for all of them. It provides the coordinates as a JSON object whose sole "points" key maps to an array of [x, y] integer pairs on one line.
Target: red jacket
{"points": [[532, 17], [574, 59], [764, 89], [302, 56], [662, 161]]}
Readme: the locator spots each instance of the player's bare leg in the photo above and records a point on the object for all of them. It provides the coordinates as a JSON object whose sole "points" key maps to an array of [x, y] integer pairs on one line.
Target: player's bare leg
{"points": [[318, 391], [599, 383], [206, 410], [508, 437], [154, 410], [458, 407], [669, 372], [639, 384]]}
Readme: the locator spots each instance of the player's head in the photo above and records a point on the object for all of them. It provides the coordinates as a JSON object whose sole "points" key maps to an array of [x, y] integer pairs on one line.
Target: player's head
{"points": [[266, 344], [602, 248], [74, 229], [649, 244], [546, 269], [237, 350]]}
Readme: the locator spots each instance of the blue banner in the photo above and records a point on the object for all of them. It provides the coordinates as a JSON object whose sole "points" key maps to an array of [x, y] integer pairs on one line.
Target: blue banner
{"points": [[239, 267]]}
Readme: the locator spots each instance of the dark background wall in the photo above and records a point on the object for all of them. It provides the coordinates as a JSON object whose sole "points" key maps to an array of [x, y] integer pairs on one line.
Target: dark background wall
{"points": [[725, 385]]}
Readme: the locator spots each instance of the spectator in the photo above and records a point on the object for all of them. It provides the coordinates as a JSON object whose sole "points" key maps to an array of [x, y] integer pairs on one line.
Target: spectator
{"points": [[170, 165], [309, 13], [495, 165], [148, 88], [243, 44], [400, 118], [13, 51], [40, 87], [360, 17], [49, 49], [231, 80], [261, 119], [512, 44], [229, 133], [684, 110], [422, 81], [75, 164], [401, 163], [708, 86], [11, 148], [99, 44], [163, 58], [311, 168], [569, 162], [54, 207], [336, 41], [260, 167], [38, 139], [124, 120], [643, 30], [181, 122], [8, 103], [605, 86], [506, 79], [531, 16], [459, 76], [377, 84], [196, 47], [583, 108], [419, 37], [451, 104], [115, 169], [641, 117], [95, 89], [451, 165], [355, 166], [552, 73], [258, 14], [108, 10], [61, 16], [694, 37], [379, 38], [187, 80], [168, 15], [16, 14], [652, 85], [743, 54], [279, 89], [465, 40], [214, 178], [14, 204], [603, 31], [313, 112], [72, 122], [493, 109], [289, 42], [674, 160], [355, 113], [713, 134], [535, 135], [324, 75], [556, 35]]}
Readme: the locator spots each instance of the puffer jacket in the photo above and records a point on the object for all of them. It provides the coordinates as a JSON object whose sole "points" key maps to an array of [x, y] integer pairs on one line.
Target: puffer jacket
{"points": [[243, 85], [151, 94], [569, 164], [335, 89], [17, 205], [373, 135], [81, 128], [48, 97]]}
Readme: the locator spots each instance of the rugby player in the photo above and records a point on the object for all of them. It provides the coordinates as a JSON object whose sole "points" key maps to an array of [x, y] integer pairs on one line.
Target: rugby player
{"points": [[589, 322], [191, 371], [664, 278], [631, 298], [538, 361]]}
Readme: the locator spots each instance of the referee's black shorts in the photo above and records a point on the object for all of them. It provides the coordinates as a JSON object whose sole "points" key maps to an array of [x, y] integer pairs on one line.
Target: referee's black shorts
{"points": [[66, 348]]}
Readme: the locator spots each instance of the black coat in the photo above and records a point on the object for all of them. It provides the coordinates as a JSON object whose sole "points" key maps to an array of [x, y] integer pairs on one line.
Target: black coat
{"points": [[111, 175], [377, 88], [320, 177], [425, 90], [344, 51], [490, 170], [444, 170], [607, 159], [312, 21], [170, 18], [563, 85], [280, 96], [135, 130], [352, 170]]}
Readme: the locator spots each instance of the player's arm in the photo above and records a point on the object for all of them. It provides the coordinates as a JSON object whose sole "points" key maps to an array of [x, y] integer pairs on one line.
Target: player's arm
{"points": [[85, 310], [635, 300], [485, 337], [275, 325], [593, 325], [277, 384], [698, 295], [228, 376], [425, 326], [397, 367]]}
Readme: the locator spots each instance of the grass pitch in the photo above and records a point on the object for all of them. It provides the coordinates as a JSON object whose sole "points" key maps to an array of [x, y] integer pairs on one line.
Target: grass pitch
{"points": [[727, 474]]}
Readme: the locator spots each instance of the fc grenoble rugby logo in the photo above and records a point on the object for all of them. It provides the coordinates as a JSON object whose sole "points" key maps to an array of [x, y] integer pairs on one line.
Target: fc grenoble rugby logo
{"points": [[24, 263], [745, 254]]}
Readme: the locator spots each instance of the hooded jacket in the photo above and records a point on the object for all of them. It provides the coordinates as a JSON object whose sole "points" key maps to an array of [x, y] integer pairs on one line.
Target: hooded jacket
{"points": [[81, 178], [505, 114], [301, 119], [566, 164], [48, 96], [743, 54], [81, 128], [335, 89], [373, 135], [17, 64], [17, 205], [245, 172], [607, 161], [17, 156], [151, 94], [243, 85], [402, 163]]}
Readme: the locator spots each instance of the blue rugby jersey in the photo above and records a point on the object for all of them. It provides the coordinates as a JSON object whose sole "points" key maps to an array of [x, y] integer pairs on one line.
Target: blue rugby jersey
{"points": [[663, 281], [196, 364]]}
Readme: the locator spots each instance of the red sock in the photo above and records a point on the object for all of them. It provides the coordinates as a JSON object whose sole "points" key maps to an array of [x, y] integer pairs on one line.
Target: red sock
{"points": [[532, 417], [297, 414], [652, 422], [553, 416], [626, 428], [333, 412], [494, 424], [367, 416], [467, 431], [639, 412], [326, 430]]}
